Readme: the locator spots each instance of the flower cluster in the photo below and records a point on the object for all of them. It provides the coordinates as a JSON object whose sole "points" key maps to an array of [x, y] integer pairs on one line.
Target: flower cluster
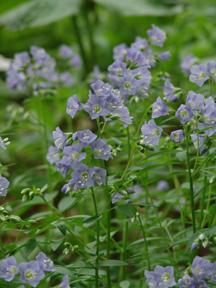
{"points": [[67, 53], [203, 271], [37, 70], [199, 73], [103, 101], [199, 113], [68, 155], [31, 272], [130, 70]]}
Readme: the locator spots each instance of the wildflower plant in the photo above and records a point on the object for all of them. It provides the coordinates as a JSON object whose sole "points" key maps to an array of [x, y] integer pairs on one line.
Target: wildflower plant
{"points": [[124, 193]]}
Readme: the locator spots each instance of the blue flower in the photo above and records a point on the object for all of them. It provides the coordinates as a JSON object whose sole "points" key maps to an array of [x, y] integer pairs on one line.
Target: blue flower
{"points": [[85, 137], [195, 101], [151, 133], [159, 108], [59, 138], [65, 282], [164, 55], [169, 91], [199, 74], [31, 273], [157, 36], [65, 51], [4, 184], [200, 267], [96, 106], [162, 185], [73, 106], [120, 51], [177, 136], [116, 72], [8, 269], [191, 282], [187, 62], [161, 277], [184, 113], [101, 150], [45, 262], [199, 141], [211, 66]]}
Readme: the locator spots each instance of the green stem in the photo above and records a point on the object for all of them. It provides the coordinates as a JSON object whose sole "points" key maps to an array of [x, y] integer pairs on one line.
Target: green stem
{"points": [[89, 6], [191, 183], [108, 215], [145, 242], [97, 240], [124, 249], [81, 45]]}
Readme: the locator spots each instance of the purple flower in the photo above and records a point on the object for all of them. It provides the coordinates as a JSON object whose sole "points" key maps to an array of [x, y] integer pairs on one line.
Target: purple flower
{"points": [[184, 113], [195, 101], [101, 150], [45, 262], [116, 197], [162, 277], [164, 55], [159, 108], [75, 61], [200, 267], [190, 282], [169, 91], [65, 78], [82, 177], [53, 155], [120, 51], [72, 156], [116, 72], [85, 137], [31, 273], [65, 282], [142, 45], [8, 269], [212, 69], [162, 185], [157, 36], [59, 138], [98, 176], [65, 51], [187, 62], [135, 59], [4, 184], [199, 142], [73, 106], [151, 133], [199, 74], [96, 106], [209, 111], [177, 136]]}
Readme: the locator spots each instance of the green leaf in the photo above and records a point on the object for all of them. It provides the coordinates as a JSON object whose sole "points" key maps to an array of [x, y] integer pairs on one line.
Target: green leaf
{"points": [[66, 203], [113, 263], [139, 8], [39, 12]]}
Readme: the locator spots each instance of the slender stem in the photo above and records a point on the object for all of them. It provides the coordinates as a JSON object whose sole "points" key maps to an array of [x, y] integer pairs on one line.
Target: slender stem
{"points": [[88, 8], [97, 240], [108, 215], [145, 242], [124, 249], [191, 183], [80, 43]]}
